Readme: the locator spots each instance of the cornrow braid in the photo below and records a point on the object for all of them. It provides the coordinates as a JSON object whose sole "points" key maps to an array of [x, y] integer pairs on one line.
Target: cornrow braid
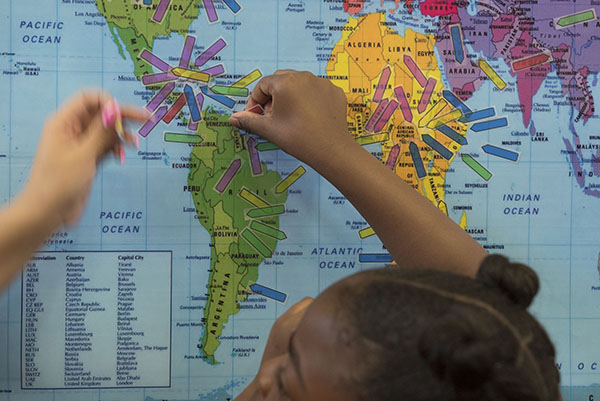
{"points": [[432, 334]]}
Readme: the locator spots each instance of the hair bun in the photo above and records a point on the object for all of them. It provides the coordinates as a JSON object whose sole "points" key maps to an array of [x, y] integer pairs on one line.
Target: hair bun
{"points": [[456, 350], [516, 281]]}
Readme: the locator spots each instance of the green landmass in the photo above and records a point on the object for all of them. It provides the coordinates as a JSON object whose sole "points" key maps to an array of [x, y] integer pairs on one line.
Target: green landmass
{"points": [[133, 46], [132, 20], [234, 262]]}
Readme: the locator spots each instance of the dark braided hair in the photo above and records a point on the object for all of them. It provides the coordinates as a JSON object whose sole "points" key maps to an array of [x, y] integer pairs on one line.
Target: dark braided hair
{"points": [[428, 335]]}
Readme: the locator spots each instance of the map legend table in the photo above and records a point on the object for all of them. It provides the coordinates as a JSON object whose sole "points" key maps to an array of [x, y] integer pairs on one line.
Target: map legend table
{"points": [[96, 320]]}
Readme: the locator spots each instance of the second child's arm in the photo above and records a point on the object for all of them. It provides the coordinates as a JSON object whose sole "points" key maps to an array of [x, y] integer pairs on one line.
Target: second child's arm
{"points": [[306, 117], [73, 142]]}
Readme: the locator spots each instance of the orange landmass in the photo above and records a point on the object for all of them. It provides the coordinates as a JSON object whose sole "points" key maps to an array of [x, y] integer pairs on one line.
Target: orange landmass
{"points": [[369, 47]]}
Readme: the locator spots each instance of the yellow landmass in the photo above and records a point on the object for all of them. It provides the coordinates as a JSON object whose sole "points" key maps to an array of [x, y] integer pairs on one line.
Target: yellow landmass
{"points": [[224, 279], [205, 150], [223, 232], [463, 221], [434, 189], [223, 288]]}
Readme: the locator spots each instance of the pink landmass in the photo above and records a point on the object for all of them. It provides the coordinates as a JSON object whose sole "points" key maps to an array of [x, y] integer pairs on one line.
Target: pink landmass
{"points": [[596, 164], [466, 91], [592, 192], [529, 80], [528, 83], [578, 145], [435, 8], [464, 78], [501, 26], [586, 106], [353, 6], [575, 163], [512, 36]]}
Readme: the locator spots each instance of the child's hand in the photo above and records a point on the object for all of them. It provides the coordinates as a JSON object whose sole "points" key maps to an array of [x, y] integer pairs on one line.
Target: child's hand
{"points": [[73, 141], [304, 115]]}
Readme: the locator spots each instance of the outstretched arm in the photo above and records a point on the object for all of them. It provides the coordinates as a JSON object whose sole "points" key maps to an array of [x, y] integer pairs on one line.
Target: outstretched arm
{"points": [[73, 141], [306, 117]]}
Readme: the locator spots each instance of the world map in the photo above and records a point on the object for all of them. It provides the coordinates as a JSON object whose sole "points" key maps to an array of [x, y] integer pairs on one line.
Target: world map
{"points": [[485, 107]]}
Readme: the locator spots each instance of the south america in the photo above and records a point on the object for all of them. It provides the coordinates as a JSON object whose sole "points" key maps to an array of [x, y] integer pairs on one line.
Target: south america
{"points": [[237, 250]]}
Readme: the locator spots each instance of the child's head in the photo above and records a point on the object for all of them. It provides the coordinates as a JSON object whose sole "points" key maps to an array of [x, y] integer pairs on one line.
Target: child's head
{"points": [[393, 334]]}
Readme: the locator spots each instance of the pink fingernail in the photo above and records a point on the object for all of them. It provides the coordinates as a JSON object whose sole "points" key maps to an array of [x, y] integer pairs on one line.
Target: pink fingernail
{"points": [[109, 114], [137, 141], [122, 155]]}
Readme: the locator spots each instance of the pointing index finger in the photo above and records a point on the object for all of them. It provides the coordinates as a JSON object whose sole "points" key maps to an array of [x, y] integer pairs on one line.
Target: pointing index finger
{"points": [[135, 113]]}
